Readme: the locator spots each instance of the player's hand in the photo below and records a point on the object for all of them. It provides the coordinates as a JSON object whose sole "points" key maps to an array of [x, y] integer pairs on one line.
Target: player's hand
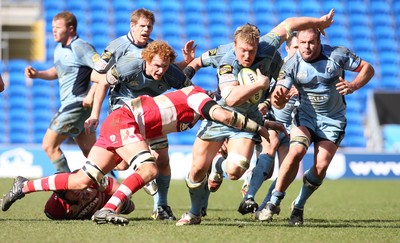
{"points": [[30, 72], [277, 126], [90, 123], [327, 21], [263, 79], [189, 51], [279, 98], [263, 108], [344, 87]]}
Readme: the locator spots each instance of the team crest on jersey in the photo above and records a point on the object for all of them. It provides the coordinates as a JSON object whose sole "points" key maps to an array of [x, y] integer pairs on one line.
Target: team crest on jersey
{"points": [[106, 56], [113, 139], [225, 69], [301, 76], [183, 127], [329, 69], [212, 52]]}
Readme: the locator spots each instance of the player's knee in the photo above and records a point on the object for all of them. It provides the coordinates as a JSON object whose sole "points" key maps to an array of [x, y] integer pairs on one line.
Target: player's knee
{"points": [[195, 185], [236, 165], [304, 141], [93, 172], [141, 158]]}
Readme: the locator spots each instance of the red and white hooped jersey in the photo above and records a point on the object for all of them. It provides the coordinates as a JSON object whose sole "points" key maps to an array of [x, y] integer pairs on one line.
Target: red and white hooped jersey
{"points": [[172, 112]]}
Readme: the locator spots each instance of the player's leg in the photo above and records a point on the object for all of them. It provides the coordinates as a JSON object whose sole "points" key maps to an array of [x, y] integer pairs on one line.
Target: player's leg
{"points": [[203, 153], [313, 178], [300, 141], [162, 210], [51, 145]]}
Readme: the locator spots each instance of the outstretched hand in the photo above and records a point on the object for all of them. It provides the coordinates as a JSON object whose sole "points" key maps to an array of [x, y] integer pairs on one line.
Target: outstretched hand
{"points": [[189, 51], [327, 21]]}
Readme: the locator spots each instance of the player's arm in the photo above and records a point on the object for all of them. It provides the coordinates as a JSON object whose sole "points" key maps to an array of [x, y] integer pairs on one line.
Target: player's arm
{"points": [[235, 94], [285, 28], [212, 111], [365, 73], [99, 96], [49, 74]]}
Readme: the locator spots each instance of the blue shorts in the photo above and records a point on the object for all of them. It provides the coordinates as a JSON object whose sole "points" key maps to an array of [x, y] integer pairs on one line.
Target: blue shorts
{"points": [[70, 120], [217, 132], [322, 127]]}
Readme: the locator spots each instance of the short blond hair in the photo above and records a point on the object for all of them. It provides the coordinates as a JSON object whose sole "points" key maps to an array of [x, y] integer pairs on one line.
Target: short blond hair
{"points": [[248, 33], [160, 48], [142, 12]]}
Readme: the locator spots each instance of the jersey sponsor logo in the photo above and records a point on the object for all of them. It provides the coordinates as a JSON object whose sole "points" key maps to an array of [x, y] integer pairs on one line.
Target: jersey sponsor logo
{"points": [[212, 52], [128, 136], [225, 69], [106, 56]]}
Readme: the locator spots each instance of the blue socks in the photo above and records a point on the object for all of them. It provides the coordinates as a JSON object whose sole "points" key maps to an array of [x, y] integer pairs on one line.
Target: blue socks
{"points": [[311, 183], [260, 172]]}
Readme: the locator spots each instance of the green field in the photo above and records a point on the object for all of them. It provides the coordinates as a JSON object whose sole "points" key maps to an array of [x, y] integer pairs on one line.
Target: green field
{"points": [[339, 211]]}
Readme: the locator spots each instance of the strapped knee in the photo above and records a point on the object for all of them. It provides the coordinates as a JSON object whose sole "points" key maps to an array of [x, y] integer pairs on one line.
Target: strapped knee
{"points": [[302, 140], [93, 172], [141, 158], [238, 160], [192, 185], [310, 184]]}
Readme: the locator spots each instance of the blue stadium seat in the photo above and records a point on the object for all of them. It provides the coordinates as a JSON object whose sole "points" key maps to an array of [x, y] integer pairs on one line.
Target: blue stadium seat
{"points": [[49, 5], [357, 7], [17, 65], [95, 5], [173, 6], [380, 7], [261, 8], [311, 8], [150, 5], [77, 6], [100, 16], [194, 18], [219, 18], [190, 7], [217, 7], [391, 136], [171, 17], [239, 6], [286, 7], [196, 32], [335, 4], [122, 5]]}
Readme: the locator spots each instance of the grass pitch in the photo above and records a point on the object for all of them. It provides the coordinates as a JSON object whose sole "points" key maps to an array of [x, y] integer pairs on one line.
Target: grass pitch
{"points": [[339, 211]]}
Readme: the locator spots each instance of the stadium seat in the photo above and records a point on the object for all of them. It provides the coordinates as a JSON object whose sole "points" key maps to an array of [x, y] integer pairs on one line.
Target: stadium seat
{"points": [[195, 18], [49, 5], [191, 7], [260, 8], [96, 5], [168, 6], [17, 65], [380, 7], [150, 5], [311, 8], [77, 6], [239, 6], [333, 4], [357, 7]]}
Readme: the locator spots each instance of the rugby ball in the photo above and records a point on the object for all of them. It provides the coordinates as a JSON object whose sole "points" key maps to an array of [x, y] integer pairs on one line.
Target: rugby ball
{"points": [[248, 76]]}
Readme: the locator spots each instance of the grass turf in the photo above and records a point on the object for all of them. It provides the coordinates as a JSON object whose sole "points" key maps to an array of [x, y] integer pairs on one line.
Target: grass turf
{"points": [[339, 211]]}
